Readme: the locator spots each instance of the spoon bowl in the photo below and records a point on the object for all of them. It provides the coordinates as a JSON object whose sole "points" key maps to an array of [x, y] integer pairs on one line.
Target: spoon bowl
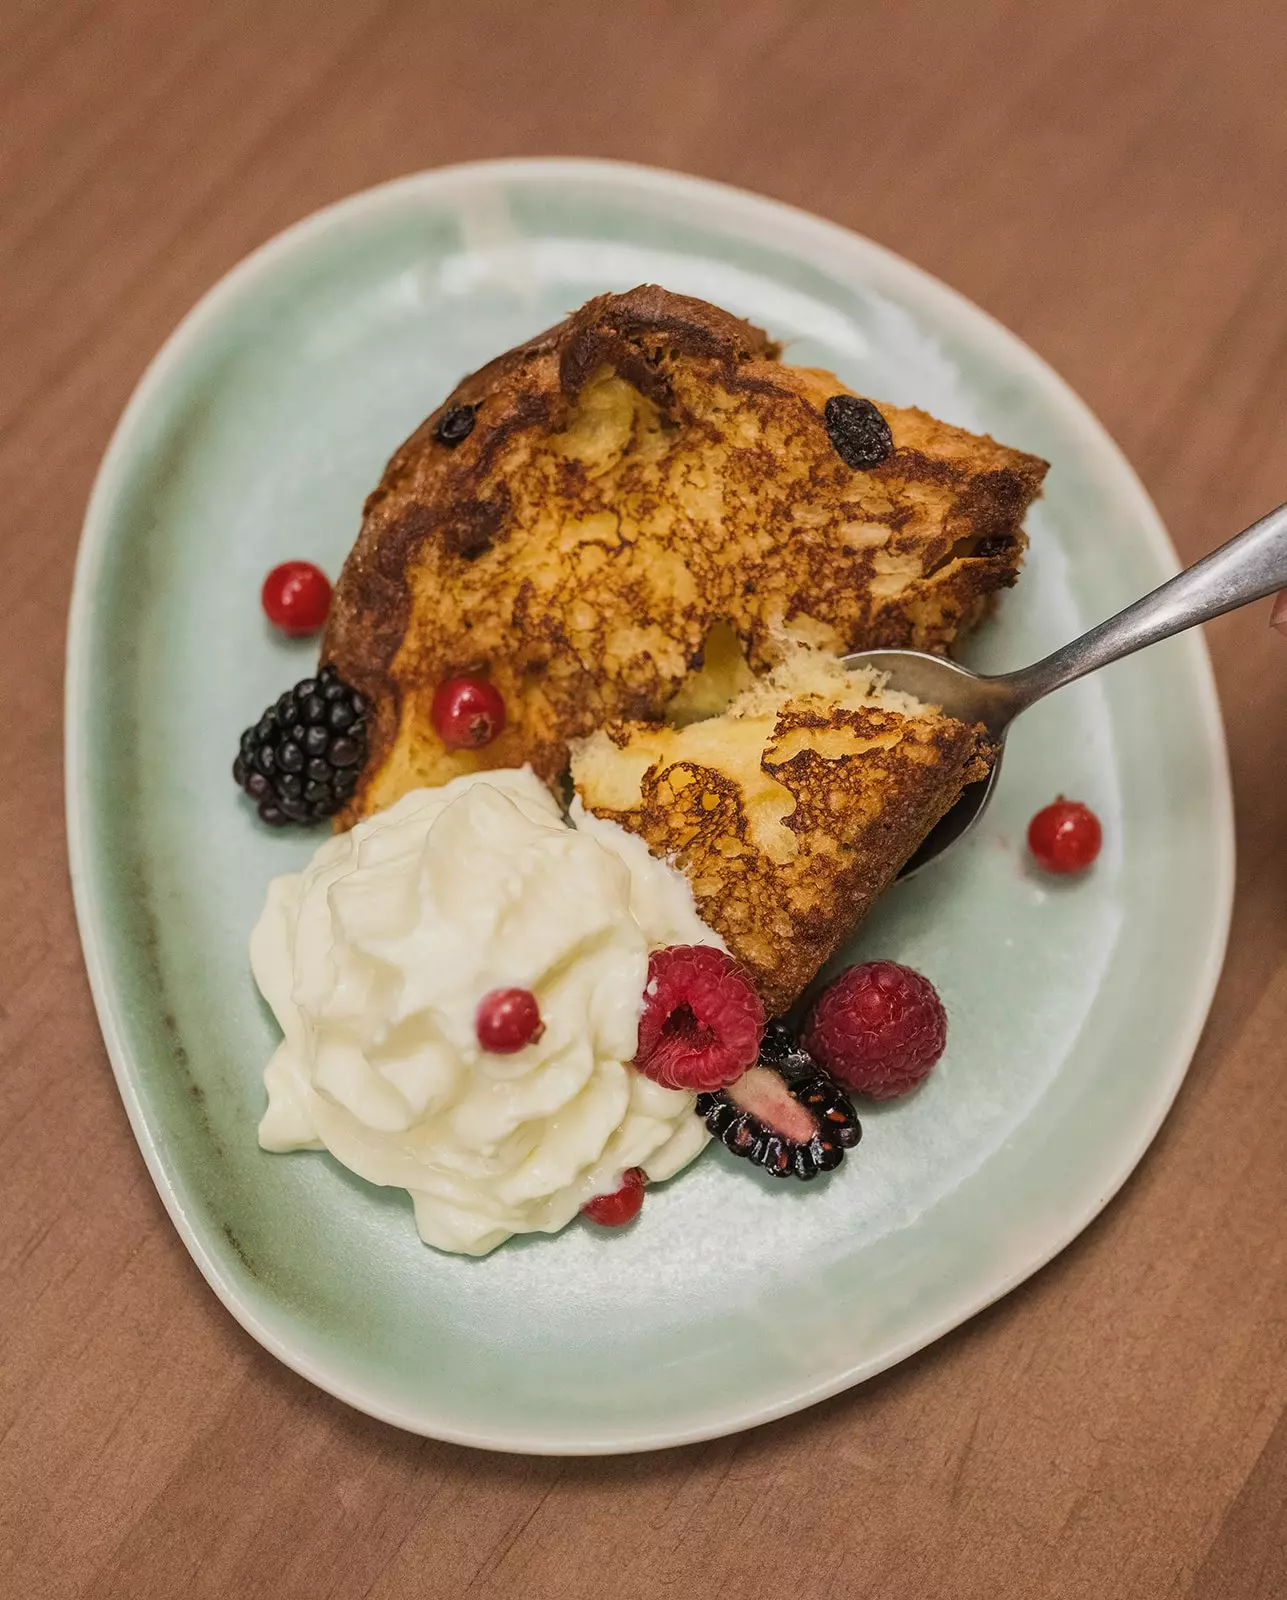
{"points": [[960, 693], [1250, 566], [948, 830], [954, 689]]}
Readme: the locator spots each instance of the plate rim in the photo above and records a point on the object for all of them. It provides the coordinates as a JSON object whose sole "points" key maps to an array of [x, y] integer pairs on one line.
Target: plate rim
{"points": [[94, 541]]}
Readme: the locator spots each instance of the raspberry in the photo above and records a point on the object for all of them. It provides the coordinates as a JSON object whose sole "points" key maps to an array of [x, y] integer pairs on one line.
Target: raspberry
{"points": [[622, 1205], [702, 1019], [879, 1028], [467, 713], [1065, 837], [296, 597], [508, 1019]]}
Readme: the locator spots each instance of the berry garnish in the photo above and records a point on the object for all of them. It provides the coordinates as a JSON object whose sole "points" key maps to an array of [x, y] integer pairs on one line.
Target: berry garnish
{"points": [[622, 1205], [702, 1019], [1065, 837], [467, 713], [507, 1020], [794, 1123], [858, 432], [878, 1028], [780, 1047], [296, 597], [455, 426], [301, 760]]}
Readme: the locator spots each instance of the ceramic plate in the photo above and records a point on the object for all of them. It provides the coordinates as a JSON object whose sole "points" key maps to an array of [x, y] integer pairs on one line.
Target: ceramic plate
{"points": [[1074, 1007]]}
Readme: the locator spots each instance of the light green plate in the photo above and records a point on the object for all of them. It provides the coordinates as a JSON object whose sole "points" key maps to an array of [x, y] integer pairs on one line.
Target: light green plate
{"points": [[1074, 1008]]}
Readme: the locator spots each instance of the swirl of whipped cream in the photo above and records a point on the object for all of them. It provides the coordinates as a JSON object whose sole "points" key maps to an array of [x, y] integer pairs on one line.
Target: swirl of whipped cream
{"points": [[374, 959]]}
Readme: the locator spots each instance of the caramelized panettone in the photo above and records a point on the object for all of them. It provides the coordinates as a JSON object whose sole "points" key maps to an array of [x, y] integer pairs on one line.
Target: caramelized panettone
{"points": [[791, 812], [647, 490]]}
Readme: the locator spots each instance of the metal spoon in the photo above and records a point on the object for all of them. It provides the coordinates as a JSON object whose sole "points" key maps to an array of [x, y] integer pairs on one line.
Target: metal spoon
{"points": [[1249, 567]]}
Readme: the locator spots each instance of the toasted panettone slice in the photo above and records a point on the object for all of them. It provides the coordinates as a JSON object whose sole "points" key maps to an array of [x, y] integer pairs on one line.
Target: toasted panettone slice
{"points": [[791, 812], [580, 514]]}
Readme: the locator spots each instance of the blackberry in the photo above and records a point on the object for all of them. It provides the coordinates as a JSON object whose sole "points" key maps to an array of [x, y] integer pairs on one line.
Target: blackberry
{"points": [[780, 1048], [858, 432], [794, 1126], [300, 762]]}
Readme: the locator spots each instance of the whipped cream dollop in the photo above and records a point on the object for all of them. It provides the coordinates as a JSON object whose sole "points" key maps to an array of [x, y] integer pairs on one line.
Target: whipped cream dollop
{"points": [[374, 960]]}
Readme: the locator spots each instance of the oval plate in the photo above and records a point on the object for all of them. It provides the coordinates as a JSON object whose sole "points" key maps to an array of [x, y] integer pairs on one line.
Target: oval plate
{"points": [[253, 438]]}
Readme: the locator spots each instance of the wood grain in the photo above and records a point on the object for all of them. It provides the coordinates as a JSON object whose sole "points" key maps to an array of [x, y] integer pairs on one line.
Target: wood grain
{"points": [[1107, 179]]}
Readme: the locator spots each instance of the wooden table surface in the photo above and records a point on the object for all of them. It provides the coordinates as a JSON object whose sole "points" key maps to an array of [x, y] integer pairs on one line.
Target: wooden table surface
{"points": [[1109, 180]]}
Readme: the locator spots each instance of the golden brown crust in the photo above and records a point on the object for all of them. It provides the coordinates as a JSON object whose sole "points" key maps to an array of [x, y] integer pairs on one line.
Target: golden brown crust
{"points": [[862, 787], [636, 474]]}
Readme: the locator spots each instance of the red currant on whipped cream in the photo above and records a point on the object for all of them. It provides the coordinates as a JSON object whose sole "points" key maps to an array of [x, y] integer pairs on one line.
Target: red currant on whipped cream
{"points": [[296, 598], [622, 1205], [1065, 837], [507, 1020], [467, 713]]}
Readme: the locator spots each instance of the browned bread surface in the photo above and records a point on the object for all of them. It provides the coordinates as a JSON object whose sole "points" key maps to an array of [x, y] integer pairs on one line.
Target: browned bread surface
{"points": [[640, 473], [789, 816]]}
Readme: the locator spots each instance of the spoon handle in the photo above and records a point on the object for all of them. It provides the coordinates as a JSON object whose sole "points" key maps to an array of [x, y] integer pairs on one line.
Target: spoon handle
{"points": [[1252, 565]]}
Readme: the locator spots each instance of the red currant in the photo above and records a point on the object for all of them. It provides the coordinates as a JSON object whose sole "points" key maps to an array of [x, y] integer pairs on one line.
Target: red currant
{"points": [[1065, 837], [467, 713], [296, 597], [622, 1205], [508, 1019]]}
